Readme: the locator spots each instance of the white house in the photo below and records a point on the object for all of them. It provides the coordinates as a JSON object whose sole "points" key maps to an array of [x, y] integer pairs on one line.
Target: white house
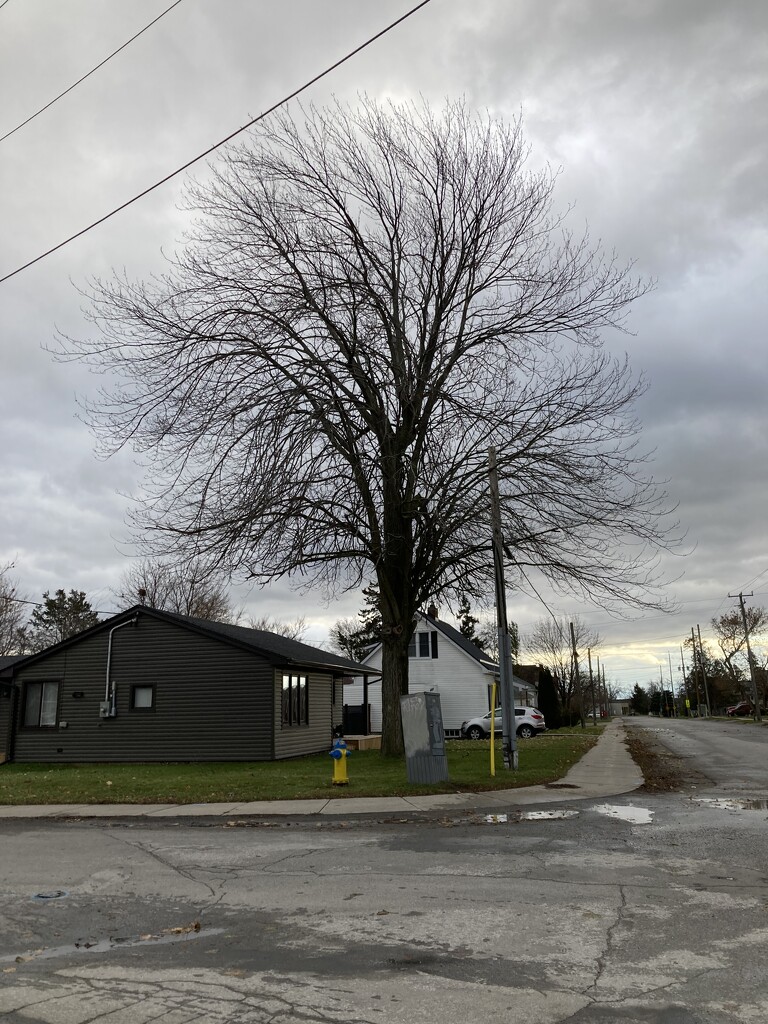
{"points": [[443, 661]]}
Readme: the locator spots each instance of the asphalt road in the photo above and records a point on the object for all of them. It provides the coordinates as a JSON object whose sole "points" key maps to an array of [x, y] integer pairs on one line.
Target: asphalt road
{"points": [[731, 753], [647, 908]]}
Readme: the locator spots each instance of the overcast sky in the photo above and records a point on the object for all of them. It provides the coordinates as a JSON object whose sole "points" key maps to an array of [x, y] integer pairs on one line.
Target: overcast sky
{"points": [[656, 113]]}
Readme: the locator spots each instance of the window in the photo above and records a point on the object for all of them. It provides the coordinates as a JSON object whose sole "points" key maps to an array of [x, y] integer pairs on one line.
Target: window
{"points": [[143, 698], [41, 702], [295, 705], [423, 645]]}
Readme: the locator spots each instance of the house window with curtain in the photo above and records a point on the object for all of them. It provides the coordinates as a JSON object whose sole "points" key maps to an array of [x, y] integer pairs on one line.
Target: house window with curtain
{"points": [[41, 704], [295, 703]]}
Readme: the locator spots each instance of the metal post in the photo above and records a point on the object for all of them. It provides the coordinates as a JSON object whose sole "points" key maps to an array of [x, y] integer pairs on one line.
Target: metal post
{"points": [[506, 685]]}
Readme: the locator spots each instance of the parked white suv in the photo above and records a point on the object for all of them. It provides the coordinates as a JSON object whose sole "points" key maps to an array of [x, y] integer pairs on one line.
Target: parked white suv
{"points": [[530, 722]]}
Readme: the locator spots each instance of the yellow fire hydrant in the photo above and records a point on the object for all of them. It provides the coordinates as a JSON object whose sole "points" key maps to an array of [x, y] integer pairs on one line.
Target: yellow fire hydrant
{"points": [[339, 754]]}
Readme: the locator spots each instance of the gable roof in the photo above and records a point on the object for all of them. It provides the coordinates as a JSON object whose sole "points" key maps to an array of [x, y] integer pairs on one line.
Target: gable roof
{"points": [[271, 646], [472, 650], [276, 649], [453, 634]]}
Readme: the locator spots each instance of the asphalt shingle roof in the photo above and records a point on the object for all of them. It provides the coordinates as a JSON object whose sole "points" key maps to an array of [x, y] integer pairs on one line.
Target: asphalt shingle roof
{"points": [[272, 646]]}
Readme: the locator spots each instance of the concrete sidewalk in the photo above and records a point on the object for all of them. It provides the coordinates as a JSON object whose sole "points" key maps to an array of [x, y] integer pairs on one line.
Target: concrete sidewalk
{"points": [[605, 770]]}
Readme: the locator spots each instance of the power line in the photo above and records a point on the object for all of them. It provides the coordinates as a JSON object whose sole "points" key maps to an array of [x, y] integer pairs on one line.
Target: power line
{"points": [[217, 145], [2, 5], [753, 580], [87, 74]]}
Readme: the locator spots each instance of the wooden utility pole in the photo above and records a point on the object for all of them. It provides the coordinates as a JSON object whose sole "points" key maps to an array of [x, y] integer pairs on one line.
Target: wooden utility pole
{"points": [[591, 683], [506, 684], [578, 677], [685, 685], [697, 671], [675, 708], [758, 715], [704, 672]]}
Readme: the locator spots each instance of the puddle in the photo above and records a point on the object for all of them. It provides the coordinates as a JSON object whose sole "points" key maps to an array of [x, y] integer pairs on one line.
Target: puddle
{"points": [[548, 815], [113, 942], [732, 803], [634, 815], [54, 894]]}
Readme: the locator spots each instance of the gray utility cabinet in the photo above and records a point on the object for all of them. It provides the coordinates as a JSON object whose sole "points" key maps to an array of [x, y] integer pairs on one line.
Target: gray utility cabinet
{"points": [[424, 738]]}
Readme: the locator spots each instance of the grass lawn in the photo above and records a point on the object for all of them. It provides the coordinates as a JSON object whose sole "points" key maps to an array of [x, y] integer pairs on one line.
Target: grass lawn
{"points": [[542, 759]]}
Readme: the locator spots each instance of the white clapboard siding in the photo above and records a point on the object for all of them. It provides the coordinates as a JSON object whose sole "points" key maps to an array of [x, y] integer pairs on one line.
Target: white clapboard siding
{"points": [[463, 683]]}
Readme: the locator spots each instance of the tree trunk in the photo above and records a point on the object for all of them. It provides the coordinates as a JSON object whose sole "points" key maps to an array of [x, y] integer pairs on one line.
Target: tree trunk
{"points": [[394, 683]]}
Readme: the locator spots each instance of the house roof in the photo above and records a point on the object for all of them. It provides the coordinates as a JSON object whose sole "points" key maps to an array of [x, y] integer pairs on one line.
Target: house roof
{"points": [[452, 634], [475, 652], [278, 650], [275, 648], [6, 660]]}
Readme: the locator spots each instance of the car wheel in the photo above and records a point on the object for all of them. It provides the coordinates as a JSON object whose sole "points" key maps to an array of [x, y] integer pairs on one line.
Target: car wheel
{"points": [[525, 731], [474, 732]]}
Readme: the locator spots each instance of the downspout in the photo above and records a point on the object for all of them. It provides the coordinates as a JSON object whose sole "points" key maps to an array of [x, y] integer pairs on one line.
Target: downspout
{"points": [[110, 692]]}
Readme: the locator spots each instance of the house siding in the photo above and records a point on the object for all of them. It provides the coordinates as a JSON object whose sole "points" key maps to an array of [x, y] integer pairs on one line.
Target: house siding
{"points": [[6, 710], [213, 702], [463, 685], [316, 736]]}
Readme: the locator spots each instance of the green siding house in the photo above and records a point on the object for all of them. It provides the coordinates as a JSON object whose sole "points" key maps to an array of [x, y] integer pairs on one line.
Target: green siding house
{"points": [[149, 685]]}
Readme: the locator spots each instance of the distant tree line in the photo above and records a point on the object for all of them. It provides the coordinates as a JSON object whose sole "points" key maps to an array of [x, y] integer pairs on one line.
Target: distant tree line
{"points": [[190, 590]]}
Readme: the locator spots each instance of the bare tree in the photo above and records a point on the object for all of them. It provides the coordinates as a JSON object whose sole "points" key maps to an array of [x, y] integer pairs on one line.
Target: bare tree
{"points": [[371, 298], [293, 630], [191, 588], [13, 636], [549, 641]]}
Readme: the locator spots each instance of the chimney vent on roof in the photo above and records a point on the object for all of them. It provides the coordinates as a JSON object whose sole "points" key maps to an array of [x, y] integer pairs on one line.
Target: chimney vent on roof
{"points": [[432, 611]]}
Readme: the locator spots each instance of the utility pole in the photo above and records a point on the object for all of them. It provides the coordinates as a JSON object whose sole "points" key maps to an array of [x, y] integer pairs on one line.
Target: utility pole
{"points": [[605, 696], [697, 671], [675, 709], [703, 672], [578, 677], [685, 685], [758, 717], [506, 685], [592, 684]]}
